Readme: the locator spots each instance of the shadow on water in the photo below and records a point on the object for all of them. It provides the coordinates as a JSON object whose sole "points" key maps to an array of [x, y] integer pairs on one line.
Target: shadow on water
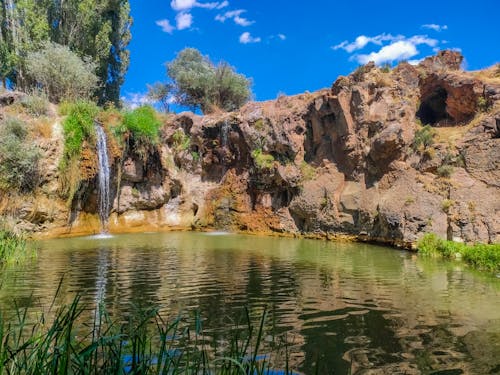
{"points": [[343, 308]]}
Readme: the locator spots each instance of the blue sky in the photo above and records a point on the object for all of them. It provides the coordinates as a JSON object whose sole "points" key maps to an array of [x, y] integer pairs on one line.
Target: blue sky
{"points": [[293, 46]]}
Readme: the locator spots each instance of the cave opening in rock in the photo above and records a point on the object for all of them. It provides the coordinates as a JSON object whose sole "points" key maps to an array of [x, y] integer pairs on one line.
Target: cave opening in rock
{"points": [[433, 108]]}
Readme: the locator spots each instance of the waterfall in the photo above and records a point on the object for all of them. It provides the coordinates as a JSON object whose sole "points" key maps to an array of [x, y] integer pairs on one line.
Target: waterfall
{"points": [[103, 176], [224, 133]]}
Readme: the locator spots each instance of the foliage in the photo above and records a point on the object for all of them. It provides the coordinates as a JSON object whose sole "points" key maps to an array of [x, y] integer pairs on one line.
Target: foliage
{"points": [[61, 73], [99, 29], [140, 129], [447, 204], [144, 343], [160, 93], [482, 104], [18, 157], [308, 172], [142, 123], [13, 248], [445, 170], [199, 83], [181, 140], [262, 161], [424, 138], [78, 126], [485, 256], [35, 104]]}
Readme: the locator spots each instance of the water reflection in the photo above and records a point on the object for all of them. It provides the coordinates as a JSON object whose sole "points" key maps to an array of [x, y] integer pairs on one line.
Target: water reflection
{"points": [[345, 308]]}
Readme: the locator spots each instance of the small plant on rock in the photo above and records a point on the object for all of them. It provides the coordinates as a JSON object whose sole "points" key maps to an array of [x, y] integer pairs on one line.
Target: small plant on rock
{"points": [[262, 161], [424, 139]]}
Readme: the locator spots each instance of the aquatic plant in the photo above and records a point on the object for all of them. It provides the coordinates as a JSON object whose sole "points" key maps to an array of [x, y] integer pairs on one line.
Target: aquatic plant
{"points": [[13, 247], [144, 344], [484, 256]]}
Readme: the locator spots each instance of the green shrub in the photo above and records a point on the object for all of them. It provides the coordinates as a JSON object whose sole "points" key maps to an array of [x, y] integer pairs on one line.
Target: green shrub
{"points": [[181, 140], [445, 170], [18, 157], [262, 161], [35, 104], [482, 104], [424, 138], [308, 172], [61, 73], [484, 256], [78, 126], [143, 124], [447, 204]]}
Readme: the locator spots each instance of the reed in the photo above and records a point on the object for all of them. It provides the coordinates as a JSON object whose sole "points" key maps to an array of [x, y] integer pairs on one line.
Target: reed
{"points": [[143, 344], [13, 248]]}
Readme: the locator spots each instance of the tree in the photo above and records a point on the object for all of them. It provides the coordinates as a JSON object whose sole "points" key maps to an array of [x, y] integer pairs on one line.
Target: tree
{"points": [[97, 29], [160, 93], [61, 73], [198, 83]]}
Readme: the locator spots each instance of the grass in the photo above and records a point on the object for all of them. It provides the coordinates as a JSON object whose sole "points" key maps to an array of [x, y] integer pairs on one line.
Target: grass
{"points": [[145, 343], [483, 256], [142, 123], [13, 248], [78, 127]]}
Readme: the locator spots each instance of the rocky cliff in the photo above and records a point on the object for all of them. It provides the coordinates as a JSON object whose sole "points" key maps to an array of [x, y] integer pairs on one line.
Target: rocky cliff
{"points": [[354, 160]]}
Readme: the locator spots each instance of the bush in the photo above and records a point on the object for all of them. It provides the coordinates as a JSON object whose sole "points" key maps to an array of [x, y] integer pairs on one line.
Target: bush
{"points": [[78, 126], [181, 140], [485, 256], [141, 129], [262, 161], [61, 73], [445, 170], [35, 104], [199, 83], [18, 157], [142, 124], [424, 138]]}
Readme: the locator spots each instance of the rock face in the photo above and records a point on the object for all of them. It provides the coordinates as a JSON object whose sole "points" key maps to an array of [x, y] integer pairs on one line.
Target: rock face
{"points": [[342, 161]]}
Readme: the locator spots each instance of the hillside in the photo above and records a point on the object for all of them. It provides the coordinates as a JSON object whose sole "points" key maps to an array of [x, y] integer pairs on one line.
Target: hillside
{"points": [[384, 155]]}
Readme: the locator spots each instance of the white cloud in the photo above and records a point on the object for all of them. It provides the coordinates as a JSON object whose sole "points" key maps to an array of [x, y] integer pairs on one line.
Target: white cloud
{"points": [[397, 51], [423, 39], [246, 38], [235, 15], [133, 100], [165, 26], [224, 4], [435, 27], [361, 41], [180, 5], [393, 47], [282, 36], [184, 20]]}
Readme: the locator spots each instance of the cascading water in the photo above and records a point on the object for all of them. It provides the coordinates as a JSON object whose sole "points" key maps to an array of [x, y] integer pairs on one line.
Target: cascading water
{"points": [[103, 176]]}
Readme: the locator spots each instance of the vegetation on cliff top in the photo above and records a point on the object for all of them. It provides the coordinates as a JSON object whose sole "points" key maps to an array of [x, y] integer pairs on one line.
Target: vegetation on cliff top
{"points": [[484, 256], [198, 83]]}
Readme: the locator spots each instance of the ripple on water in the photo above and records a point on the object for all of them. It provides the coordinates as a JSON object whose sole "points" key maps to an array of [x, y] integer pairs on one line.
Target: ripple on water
{"points": [[360, 305]]}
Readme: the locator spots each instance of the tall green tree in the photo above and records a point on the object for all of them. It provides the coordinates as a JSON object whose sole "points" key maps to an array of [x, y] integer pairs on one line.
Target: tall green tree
{"points": [[99, 29]]}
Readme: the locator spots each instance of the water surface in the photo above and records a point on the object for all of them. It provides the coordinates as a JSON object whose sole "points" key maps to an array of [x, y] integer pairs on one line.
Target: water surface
{"points": [[347, 308]]}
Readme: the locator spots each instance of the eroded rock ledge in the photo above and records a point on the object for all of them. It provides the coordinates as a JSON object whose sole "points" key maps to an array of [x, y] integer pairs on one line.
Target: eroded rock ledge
{"points": [[336, 162]]}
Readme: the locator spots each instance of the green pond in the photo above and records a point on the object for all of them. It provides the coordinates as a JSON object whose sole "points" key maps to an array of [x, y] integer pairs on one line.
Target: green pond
{"points": [[343, 308]]}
